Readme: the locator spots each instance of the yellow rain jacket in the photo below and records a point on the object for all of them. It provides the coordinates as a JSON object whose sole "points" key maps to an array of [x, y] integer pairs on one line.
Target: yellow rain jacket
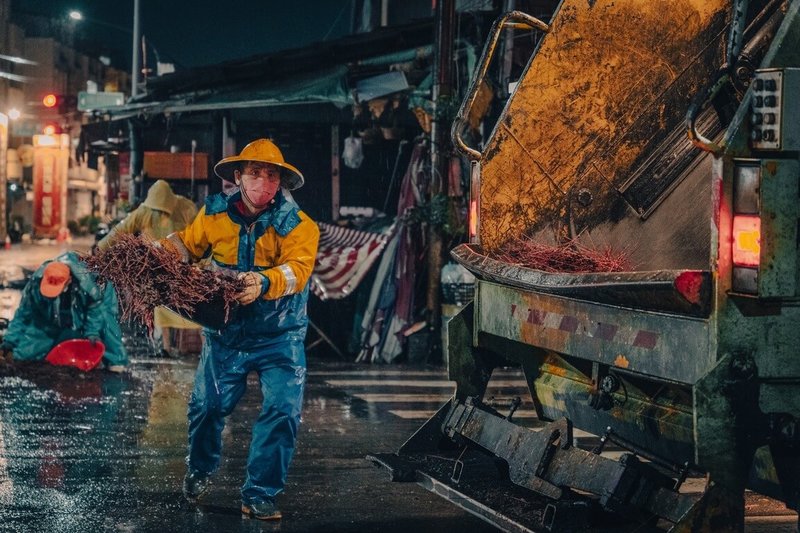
{"points": [[153, 218], [280, 244], [162, 212]]}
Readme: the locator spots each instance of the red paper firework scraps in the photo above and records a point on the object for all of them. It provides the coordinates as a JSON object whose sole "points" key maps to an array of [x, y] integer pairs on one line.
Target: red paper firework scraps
{"points": [[567, 257], [146, 276]]}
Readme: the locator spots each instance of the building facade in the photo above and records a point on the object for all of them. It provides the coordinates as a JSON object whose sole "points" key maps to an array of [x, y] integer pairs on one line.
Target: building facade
{"points": [[41, 75]]}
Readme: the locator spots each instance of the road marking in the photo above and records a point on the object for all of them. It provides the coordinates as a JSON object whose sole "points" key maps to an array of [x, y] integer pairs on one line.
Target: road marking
{"points": [[416, 383], [501, 374], [157, 361], [427, 413], [403, 398]]}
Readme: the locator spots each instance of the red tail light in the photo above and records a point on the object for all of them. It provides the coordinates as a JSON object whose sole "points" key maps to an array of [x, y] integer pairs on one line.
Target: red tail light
{"points": [[746, 240], [690, 285]]}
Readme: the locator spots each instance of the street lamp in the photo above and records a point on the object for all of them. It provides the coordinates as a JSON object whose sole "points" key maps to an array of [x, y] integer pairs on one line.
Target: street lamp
{"points": [[78, 16]]}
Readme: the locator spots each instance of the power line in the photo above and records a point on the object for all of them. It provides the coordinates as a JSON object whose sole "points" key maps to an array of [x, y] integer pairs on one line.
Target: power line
{"points": [[336, 21]]}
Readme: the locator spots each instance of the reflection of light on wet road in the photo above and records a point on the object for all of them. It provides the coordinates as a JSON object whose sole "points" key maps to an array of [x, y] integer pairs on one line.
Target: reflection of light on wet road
{"points": [[6, 484], [100, 452]]}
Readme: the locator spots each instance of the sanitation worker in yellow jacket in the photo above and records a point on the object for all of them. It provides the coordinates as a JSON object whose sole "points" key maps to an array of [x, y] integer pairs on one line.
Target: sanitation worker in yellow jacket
{"points": [[260, 235]]}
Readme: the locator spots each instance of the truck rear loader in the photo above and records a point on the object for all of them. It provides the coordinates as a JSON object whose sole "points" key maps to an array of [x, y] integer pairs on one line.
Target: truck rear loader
{"points": [[669, 131]]}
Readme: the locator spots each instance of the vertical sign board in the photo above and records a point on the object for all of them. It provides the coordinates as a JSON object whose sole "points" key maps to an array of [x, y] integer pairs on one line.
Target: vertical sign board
{"points": [[50, 162], [125, 185], [3, 176]]}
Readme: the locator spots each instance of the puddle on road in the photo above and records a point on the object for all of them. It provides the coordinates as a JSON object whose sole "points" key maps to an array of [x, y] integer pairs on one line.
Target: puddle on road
{"points": [[105, 452], [90, 451]]}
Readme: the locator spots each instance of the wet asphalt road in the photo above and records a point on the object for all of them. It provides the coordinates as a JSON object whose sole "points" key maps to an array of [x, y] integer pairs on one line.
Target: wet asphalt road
{"points": [[85, 452], [104, 452]]}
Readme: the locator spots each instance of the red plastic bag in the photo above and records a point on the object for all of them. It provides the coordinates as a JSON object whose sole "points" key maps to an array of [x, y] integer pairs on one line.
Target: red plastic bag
{"points": [[78, 353]]}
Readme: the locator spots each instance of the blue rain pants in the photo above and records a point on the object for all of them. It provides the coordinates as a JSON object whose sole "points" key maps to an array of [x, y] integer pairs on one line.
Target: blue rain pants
{"points": [[220, 382]]}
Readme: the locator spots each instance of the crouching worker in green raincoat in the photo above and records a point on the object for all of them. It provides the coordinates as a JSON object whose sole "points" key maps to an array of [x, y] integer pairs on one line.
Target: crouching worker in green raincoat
{"points": [[259, 234], [62, 301]]}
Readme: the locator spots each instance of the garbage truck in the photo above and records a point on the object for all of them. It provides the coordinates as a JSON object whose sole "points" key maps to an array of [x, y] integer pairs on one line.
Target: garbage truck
{"points": [[669, 132]]}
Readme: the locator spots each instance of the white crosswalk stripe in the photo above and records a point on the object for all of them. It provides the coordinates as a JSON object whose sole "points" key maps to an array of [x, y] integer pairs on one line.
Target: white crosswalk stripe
{"points": [[416, 383], [417, 394]]}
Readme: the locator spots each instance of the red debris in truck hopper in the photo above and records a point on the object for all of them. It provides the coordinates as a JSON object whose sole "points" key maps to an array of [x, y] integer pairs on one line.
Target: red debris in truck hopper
{"points": [[567, 257]]}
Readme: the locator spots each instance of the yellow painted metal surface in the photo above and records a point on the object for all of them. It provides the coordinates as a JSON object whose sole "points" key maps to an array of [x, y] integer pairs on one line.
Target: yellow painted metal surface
{"points": [[608, 83]]}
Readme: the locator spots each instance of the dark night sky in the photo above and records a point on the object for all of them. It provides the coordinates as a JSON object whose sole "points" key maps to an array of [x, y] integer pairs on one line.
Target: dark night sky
{"points": [[203, 32]]}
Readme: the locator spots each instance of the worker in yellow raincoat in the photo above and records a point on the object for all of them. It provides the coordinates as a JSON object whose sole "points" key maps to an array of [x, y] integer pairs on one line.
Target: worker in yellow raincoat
{"points": [[161, 213], [260, 235]]}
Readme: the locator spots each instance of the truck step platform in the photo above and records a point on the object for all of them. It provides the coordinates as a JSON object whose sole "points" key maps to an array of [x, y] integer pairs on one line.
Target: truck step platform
{"points": [[482, 488]]}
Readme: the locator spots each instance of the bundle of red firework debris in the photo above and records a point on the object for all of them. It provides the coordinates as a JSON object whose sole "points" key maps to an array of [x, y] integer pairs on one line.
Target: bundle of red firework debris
{"points": [[566, 257], [146, 276]]}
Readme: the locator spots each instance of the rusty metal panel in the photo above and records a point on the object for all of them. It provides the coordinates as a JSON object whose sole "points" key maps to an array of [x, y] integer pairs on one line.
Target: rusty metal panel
{"points": [[780, 211], [670, 347], [652, 290], [609, 83]]}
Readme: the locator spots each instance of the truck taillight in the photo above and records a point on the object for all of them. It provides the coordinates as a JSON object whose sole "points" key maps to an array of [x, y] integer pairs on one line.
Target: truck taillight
{"points": [[746, 240], [746, 227]]}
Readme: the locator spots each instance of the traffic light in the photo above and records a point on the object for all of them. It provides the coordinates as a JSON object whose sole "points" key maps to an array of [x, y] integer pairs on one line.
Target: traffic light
{"points": [[51, 129], [61, 103], [51, 100]]}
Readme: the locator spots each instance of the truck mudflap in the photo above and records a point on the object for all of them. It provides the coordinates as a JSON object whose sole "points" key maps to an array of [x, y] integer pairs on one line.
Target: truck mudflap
{"points": [[538, 481], [686, 292]]}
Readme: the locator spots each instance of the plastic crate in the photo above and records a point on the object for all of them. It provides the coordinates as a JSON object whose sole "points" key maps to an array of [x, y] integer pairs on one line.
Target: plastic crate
{"points": [[458, 293]]}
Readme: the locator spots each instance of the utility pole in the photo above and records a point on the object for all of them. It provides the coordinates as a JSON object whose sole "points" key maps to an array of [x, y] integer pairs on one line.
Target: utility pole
{"points": [[440, 130], [135, 60], [133, 133], [3, 177]]}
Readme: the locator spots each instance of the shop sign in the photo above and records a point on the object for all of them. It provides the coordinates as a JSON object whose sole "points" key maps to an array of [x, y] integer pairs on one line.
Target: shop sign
{"points": [[168, 165], [50, 162]]}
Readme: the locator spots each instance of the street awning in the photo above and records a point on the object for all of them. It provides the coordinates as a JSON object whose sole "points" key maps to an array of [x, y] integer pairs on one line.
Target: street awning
{"points": [[323, 87]]}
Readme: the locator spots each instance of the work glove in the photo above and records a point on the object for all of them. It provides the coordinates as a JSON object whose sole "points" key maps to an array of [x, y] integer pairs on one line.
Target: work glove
{"points": [[254, 286]]}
